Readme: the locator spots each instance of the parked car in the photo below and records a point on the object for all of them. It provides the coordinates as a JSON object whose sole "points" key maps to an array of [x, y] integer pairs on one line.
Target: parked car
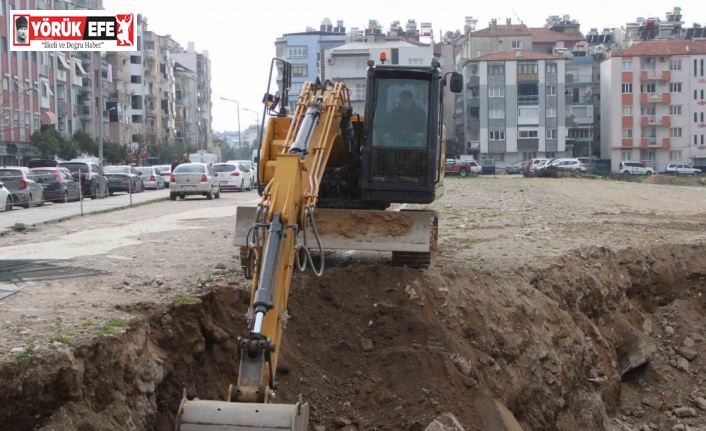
{"points": [[58, 183], [515, 168], [124, 179], [462, 167], [5, 198], [629, 167], [151, 177], [166, 172], [233, 176], [531, 166], [19, 181], [44, 163], [250, 166], [94, 184], [682, 169], [194, 179]]}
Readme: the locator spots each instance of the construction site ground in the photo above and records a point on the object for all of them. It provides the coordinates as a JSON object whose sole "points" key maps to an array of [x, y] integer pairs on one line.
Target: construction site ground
{"points": [[576, 303]]}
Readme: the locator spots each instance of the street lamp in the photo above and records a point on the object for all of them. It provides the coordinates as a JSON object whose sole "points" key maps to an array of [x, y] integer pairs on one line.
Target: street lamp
{"points": [[240, 142]]}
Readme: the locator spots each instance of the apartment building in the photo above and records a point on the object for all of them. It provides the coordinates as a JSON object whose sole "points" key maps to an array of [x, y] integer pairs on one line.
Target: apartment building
{"points": [[195, 68], [126, 97], [304, 51], [516, 106], [348, 63], [654, 103]]}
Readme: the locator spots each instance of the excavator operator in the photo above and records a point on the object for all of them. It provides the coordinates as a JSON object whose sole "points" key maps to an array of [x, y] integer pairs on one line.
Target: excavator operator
{"points": [[405, 124]]}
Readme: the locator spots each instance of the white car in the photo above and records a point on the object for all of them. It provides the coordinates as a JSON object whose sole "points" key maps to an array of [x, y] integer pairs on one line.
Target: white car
{"points": [[5, 198], [193, 179], [249, 165], [151, 177], [166, 171], [233, 176], [682, 169], [629, 167]]}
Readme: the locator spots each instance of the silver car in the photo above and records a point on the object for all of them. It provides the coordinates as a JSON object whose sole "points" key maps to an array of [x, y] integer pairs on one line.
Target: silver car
{"points": [[194, 179], [151, 177]]}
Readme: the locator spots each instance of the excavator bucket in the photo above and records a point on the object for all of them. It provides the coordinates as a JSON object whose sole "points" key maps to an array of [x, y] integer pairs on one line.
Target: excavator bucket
{"points": [[409, 234], [202, 415]]}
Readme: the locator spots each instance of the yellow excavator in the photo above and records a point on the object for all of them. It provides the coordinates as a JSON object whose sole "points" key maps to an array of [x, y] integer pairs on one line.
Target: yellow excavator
{"points": [[327, 178]]}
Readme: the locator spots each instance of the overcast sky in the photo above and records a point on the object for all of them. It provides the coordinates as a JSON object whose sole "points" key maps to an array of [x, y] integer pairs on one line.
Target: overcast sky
{"points": [[240, 36]]}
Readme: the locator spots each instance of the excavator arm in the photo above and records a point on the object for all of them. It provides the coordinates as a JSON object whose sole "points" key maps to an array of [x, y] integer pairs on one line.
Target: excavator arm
{"points": [[321, 121]]}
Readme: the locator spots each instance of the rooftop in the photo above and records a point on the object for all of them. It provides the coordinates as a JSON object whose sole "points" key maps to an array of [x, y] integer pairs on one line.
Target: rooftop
{"points": [[502, 30], [544, 35], [512, 55], [663, 48]]}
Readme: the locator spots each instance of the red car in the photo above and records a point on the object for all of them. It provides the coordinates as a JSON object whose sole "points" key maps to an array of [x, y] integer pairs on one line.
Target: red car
{"points": [[462, 167]]}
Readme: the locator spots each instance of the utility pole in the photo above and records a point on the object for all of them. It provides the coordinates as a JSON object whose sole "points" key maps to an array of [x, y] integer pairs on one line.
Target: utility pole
{"points": [[100, 119], [240, 139]]}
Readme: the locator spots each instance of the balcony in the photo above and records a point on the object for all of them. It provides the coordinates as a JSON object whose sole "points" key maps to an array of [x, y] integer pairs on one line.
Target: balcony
{"points": [[61, 75], [649, 141], [44, 69], [528, 100], [655, 98], [527, 77], [149, 54], [82, 111], [655, 75], [666, 143], [656, 120]]}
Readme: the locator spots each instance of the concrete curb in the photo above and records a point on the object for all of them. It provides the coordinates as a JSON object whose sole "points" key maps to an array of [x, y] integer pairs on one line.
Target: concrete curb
{"points": [[18, 226]]}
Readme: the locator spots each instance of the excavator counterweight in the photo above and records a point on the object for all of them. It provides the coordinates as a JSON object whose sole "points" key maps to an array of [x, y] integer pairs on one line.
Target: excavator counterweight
{"points": [[329, 179]]}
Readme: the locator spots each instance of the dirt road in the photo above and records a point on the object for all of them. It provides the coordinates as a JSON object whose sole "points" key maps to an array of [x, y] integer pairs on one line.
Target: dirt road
{"points": [[540, 290]]}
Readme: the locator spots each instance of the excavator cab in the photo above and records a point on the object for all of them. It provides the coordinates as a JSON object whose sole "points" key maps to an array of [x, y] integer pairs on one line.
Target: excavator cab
{"points": [[404, 143]]}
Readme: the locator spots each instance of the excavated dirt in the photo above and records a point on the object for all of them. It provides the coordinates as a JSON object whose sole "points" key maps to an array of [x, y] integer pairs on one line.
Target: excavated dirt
{"points": [[545, 294]]}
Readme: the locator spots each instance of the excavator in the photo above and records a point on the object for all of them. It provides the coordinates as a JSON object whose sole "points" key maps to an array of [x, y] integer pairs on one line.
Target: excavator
{"points": [[328, 179]]}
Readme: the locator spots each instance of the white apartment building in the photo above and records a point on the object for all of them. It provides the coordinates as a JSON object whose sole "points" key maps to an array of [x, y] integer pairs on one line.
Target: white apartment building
{"points": [[348, 63], [654, 104], [516, 106]]}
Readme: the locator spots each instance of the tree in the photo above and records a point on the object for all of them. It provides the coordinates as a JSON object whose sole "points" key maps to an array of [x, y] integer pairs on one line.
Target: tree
{"points": [[85, 143], [49, 142], [114, 152], [140, 133]]}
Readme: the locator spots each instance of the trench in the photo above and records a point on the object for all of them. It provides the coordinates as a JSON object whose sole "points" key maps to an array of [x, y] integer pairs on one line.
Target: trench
{"points": [[391, 348]]}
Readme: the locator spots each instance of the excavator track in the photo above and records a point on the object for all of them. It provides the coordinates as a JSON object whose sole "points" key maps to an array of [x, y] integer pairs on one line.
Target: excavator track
{"points": [[420, 260]]}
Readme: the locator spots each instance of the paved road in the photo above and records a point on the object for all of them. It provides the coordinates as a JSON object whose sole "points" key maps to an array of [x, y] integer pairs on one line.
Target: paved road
{"points": [[55, 212]]}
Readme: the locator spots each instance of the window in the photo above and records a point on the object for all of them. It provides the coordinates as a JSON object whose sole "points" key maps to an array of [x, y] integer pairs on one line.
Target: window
{"points": [[529, 155], [702, 117], [526, 111], [496, 92], [702, 94], [551, 68], [527, 68], [496, 113], [551, 133], [551, 112], [696, 142], [696, 66], [496, 70], [496, 135], [415, 61], [136, 79], [648, 88], [675, 109], [300, 70], [627, 110], [627, 65], [361, 65], [702, 67], [296, 88], [135, 59], [527, 134], [625, 155], [296, 52], [675, 132], [675, 87], [696, 94], [550, 154], [627, 133], [551, 90], [359, 92], [696, 117], [675, 155], [516, 44], [675, 65], [627, 88]]}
